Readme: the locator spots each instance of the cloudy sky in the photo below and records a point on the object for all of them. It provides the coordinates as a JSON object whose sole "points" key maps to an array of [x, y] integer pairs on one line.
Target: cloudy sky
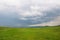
{"points": [[29, 12]]}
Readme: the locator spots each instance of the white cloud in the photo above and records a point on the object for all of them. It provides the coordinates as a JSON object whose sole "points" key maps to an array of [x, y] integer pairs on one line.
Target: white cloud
{"points": [[36, 7], [9, 2]]}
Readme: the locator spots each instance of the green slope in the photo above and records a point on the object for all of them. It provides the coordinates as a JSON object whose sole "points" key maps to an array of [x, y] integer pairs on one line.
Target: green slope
{"points": [[46, 33]]}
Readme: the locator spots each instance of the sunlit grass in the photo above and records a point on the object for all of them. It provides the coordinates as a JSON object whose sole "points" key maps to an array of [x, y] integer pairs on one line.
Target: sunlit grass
{"points": [[45, 33]]}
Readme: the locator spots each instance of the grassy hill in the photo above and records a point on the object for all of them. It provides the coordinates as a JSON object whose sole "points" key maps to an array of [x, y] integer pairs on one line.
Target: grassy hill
{"points": [[44, 33]]}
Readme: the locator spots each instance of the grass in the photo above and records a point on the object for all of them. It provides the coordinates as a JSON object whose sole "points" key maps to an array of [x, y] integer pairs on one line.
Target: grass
{"points": [[45, 33]]}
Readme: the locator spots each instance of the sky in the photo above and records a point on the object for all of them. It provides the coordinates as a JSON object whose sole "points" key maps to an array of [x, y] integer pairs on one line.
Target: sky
{"points": [[21, 13]]}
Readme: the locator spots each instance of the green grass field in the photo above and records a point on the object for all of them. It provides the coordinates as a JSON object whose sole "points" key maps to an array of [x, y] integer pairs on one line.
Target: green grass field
{"points": [[44, 33]]}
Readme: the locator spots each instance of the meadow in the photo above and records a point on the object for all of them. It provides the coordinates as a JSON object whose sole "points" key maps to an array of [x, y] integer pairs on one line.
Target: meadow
{"points": [[43, 33]]}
